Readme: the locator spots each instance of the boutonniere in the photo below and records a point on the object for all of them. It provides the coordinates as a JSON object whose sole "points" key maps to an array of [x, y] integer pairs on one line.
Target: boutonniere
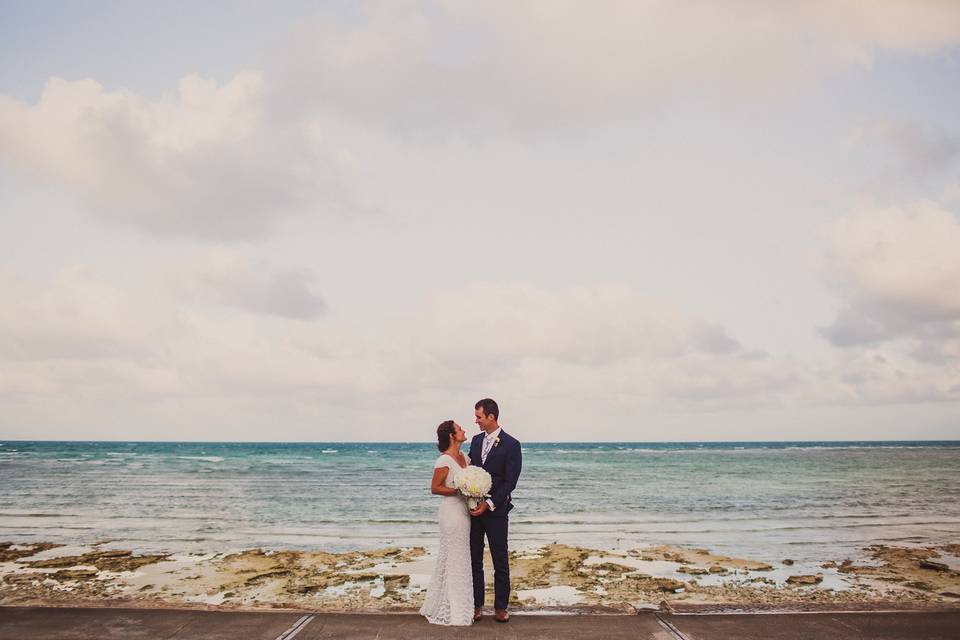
{"points": [[496, 442]]}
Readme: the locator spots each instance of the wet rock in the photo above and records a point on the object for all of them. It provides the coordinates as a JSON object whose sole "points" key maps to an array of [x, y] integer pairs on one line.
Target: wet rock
{"points": [[919, 584], [22, 578], [396, 582], [950, 594], [718, 570], [847, 567], [829, 565], [260, 577], [935, 566], [8, 554], [788, 562], [805, 580], [693, 571], [73, 574], [611, 567], [103, 560], [649, 583]]}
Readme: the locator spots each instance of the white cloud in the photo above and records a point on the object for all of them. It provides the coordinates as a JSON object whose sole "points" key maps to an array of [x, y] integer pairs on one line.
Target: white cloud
{"points": [[898, 272], [81, 342], [204, 162], [538, 63]]}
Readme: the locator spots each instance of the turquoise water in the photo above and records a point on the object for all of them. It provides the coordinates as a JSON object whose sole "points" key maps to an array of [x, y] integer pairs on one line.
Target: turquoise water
{"points": [[803, 500]]}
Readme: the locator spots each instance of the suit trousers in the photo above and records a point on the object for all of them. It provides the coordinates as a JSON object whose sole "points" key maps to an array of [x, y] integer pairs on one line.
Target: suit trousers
{"points": [[494, 529]]}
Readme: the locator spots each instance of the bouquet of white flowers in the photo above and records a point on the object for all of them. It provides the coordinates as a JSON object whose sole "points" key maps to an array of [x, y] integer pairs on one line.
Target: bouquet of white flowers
{"points": [[474, 483]]}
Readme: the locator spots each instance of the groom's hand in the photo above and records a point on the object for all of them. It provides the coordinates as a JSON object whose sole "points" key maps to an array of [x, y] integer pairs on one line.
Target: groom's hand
{"points": [[480, 510]]}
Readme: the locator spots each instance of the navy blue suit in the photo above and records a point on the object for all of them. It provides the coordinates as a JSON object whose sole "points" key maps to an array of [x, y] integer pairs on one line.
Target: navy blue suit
{"points": [[503, 464]]}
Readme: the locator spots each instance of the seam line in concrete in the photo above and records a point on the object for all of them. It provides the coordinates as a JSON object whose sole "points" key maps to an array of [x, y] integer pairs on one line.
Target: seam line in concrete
{"points": [[666, 624], [297, 627]]}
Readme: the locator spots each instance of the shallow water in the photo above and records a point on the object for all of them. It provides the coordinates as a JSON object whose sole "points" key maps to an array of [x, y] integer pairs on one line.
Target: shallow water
{"points": [[767, 501]]}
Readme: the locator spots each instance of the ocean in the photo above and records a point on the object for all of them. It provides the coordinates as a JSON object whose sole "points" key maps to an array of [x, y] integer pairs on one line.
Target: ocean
{"points": [[807, 501]]}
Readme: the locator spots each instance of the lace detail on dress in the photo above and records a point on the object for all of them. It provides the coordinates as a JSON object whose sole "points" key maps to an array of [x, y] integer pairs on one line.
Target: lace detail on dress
{"points": [[449, 598]]}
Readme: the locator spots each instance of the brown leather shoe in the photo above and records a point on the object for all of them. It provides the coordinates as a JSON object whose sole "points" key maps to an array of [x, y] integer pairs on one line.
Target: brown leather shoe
{"points": [[477, 614], [501, 615]]}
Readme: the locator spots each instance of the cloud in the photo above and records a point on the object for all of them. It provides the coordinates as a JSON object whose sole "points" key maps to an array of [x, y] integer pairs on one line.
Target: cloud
{"points": [[204, 162], [171, 346], [177, 334], [898, 272], [229, 279], [596, 343], [920, 150], [539, 64], [81, 330], [72, 316]]}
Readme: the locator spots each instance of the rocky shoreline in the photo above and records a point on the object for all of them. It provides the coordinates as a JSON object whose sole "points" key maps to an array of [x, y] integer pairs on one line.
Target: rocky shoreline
{"points": [[553, 576]]}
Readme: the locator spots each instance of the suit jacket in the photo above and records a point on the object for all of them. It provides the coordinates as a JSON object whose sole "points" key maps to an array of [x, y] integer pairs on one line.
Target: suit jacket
{"points": [[503, 464]]}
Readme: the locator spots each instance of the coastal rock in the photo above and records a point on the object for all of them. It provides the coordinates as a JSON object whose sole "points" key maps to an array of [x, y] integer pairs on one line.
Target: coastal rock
{"points": [[10, 554], [805, 580], [919, 584], [788, 562], [102, 560], [268, 575], [611, 569], [648, 583], [697, 556], [73, 574], [935, 566], [693, 571], [300, 579], [22, 578]]}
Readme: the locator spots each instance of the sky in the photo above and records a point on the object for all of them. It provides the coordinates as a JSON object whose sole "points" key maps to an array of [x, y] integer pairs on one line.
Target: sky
{"points": [[336, 221]]}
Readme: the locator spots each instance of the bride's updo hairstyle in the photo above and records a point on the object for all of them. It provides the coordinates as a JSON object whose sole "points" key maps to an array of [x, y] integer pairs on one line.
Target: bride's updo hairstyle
{"points": [[444, 431]]}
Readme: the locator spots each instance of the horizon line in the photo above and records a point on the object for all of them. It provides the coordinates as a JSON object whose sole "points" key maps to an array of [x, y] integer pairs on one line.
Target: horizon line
{"points": [[528, 441]]}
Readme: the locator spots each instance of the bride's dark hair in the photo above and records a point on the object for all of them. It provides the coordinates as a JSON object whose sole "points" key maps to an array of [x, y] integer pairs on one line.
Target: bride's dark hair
{"points": [[444, 431]]}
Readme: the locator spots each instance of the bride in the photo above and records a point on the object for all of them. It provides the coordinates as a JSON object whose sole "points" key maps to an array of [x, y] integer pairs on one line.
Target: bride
{"points": [[449, 597]]}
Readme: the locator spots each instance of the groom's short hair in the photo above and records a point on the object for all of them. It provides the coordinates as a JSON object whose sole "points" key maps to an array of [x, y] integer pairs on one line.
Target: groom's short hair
{"points": [[489, 407]]}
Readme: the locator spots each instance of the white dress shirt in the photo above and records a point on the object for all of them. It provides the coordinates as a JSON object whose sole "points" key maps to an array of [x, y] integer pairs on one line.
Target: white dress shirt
{"points": [[487, 446]]}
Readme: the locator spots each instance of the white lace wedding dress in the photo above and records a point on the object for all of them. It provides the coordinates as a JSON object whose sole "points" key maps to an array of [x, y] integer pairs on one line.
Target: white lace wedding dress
{"points": [[449, 597]]}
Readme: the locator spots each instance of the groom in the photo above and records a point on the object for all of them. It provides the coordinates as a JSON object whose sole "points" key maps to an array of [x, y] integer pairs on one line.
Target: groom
{"points": [[499, 454]]}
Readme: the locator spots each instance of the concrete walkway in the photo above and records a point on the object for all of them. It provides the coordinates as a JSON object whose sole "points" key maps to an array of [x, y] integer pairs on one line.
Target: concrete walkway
{"points": [[34, 623]]}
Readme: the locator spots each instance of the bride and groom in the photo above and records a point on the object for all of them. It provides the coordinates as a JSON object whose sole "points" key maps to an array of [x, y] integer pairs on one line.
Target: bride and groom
{"points": [[456, 591]]}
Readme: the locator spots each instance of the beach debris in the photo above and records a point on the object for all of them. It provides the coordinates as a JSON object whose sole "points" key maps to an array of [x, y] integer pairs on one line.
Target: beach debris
{"points": [[805, 580], [935, 566]]}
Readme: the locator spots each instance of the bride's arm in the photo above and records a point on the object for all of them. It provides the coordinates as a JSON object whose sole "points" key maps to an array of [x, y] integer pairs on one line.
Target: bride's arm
{"points": [[439, 478]]}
